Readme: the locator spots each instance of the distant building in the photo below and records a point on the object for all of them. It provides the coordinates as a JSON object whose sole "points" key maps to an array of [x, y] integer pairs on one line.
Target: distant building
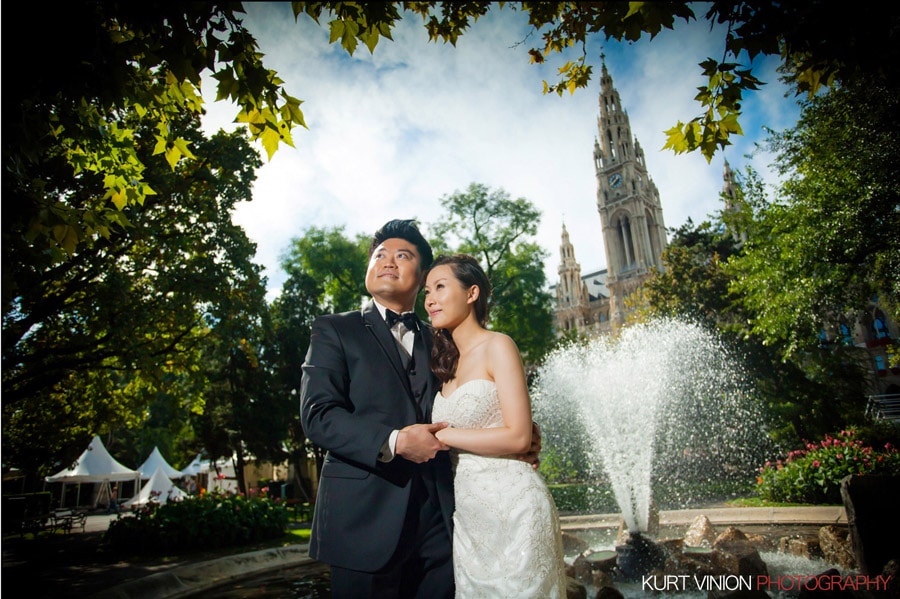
{"points": [[582, 302], [634, 237], [631, 219], [870, 329]]}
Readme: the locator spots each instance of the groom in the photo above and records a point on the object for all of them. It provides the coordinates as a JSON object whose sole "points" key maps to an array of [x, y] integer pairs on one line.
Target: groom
{"points": [[383, 514]]}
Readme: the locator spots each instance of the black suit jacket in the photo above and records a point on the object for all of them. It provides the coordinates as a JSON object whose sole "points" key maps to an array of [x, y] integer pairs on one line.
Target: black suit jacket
{"points": [[354, 392]]}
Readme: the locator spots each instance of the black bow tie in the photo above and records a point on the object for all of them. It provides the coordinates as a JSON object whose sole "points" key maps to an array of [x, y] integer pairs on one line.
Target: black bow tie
{"points": [[409, 319]]}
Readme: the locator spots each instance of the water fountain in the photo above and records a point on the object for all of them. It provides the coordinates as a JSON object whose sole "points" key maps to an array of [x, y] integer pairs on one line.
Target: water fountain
{"points": [[665, 404]]}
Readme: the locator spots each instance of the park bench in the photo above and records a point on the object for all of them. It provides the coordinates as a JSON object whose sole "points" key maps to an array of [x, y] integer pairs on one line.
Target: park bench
{"points": [[66, 519]]}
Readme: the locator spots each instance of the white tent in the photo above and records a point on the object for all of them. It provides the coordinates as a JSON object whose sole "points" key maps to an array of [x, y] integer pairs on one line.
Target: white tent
{"points": [[191, 475], [194, 468], [95, 465], [156, 460], [220, 477], [158, 489], [216, 477]]}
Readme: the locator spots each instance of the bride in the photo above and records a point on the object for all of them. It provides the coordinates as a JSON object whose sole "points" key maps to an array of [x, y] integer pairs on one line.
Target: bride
{"points": [[506, 535]]}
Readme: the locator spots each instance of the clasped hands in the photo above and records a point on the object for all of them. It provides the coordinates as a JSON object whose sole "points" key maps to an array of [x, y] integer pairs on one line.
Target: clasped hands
{"points": [[418, 444]]}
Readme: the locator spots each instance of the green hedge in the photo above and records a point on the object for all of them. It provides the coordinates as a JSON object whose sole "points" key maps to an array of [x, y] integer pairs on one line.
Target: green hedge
{"points": [[195, 523]]}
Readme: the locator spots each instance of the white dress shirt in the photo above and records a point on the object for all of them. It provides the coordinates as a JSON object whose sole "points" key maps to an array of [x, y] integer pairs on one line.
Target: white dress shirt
{"points": [[405, 340]]}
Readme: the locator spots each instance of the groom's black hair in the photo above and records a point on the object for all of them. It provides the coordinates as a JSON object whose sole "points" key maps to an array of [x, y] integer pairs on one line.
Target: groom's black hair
{"points": [[404, 229]]}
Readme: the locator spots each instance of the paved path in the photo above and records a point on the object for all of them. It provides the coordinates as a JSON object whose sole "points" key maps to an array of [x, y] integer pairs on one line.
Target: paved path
{"points": [[98, 522], [192, 579]]}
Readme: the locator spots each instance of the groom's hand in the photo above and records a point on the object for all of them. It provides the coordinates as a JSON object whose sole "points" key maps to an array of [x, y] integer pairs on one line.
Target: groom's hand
{"points": [[533, 456], [417, 442]]}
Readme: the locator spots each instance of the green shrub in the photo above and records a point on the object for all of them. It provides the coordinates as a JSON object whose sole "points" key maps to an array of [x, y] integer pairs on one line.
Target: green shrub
{"points": [[583, 498], [201, 522], [813, 474]]}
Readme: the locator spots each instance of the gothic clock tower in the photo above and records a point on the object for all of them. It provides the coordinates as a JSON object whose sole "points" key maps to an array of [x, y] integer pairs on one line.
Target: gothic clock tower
{"points": [[634, 234]]}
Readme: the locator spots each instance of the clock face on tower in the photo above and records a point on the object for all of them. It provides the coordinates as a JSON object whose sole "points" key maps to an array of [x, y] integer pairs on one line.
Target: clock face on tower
{"points": [[615, 180]]}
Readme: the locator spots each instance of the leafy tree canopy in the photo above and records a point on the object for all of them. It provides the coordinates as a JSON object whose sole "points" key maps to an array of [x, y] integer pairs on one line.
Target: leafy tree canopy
{"points": [[808, 395], [829, 244], [112, 58], [104, 66], [693, 283], [499, 231], [337, 263], [90, 343]]}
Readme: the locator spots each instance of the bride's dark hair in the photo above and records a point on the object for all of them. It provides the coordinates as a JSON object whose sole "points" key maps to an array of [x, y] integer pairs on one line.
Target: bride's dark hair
{"points": [[466, 270]]}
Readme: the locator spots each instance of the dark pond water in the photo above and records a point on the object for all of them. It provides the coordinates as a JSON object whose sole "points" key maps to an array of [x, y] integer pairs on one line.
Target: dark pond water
{"points": [[311, 581]]}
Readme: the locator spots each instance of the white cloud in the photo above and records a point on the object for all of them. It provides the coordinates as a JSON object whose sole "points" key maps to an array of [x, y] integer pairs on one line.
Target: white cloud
{"points": [[391, 133]]}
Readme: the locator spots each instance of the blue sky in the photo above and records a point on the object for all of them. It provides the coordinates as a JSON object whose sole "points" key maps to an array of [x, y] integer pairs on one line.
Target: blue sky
{"points": [[390, 133]]}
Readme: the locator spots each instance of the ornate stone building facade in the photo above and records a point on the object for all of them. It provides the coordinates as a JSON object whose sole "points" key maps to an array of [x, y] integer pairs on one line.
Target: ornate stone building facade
{"points": [[631, 221], [582, 302], [634, 237]]}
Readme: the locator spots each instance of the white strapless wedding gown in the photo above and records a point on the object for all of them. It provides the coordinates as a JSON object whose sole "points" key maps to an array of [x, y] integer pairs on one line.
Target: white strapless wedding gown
{"points": [[506, 535]]}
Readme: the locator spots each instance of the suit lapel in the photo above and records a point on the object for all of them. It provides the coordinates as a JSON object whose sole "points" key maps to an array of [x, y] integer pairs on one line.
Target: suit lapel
{"points": [[379, 329]]}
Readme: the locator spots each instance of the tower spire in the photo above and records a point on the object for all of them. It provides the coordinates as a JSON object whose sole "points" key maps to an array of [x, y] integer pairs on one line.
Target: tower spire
{"points": [[632, 226], [634, 232], [733, 203], [572, 300]]}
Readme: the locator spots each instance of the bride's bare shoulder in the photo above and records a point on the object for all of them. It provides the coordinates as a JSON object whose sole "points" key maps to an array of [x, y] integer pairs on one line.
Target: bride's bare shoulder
{"points": [[502, 341]]}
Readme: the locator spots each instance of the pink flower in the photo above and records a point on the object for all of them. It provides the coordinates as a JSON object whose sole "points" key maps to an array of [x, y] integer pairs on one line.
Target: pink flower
{"points": [[816, 464]]}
